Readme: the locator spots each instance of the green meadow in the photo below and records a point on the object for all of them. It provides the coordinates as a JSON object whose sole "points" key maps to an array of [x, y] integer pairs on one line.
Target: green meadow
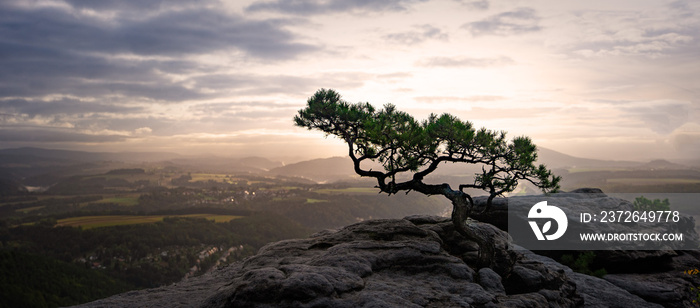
{"points": [[652, 181], [125, 200], [349, 190], [88, 222]]}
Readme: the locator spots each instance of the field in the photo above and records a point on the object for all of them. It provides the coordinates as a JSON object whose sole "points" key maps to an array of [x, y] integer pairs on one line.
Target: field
{"points": [[349, 190], [29, 209], [125, 200], [34, 199], [652, 181], [577, 170], [87, 222], [149, 176], [205, 177]]}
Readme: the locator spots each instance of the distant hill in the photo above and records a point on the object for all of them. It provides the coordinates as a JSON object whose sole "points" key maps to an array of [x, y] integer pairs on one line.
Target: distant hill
{"points": [[227, 164], [47, 164], [83, 156], [340, 168], [558, 160], [319, 170], [661, 164], [42, 167], [260, 163]]}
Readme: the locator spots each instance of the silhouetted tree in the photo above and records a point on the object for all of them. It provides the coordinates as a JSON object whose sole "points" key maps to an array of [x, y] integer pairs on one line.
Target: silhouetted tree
{"points": [[404, 146]]}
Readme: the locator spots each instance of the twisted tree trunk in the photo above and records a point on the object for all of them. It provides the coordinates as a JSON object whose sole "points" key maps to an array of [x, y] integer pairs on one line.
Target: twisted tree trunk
{"points": [[462, 205]]}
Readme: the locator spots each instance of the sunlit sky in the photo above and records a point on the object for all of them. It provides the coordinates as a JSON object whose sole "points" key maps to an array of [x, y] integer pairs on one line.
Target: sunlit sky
{"points": [[599, 79]]}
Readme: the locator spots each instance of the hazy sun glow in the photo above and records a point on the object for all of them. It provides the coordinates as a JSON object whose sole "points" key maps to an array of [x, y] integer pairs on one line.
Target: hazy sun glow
{"points": [[599, 79]]}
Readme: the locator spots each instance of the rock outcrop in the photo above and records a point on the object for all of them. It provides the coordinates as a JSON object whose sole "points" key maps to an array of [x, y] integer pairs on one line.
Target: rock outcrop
{"points": [[389, 263], [418, 261]]}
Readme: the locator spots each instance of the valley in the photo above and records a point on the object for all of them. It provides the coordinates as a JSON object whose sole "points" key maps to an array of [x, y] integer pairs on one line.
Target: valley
{"points": [[148, 223]]}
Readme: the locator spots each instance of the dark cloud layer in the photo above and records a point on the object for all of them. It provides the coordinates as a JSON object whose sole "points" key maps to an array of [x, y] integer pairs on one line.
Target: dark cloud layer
{"points": [[130, 5], [95, 71], [519, 21], [67, 106], [306, 7], [171, 33], [30, 71], [71, 53]]}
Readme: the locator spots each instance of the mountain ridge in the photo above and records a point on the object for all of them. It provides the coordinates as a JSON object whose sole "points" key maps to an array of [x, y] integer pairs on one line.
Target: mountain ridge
{"points": [[339, 168]]}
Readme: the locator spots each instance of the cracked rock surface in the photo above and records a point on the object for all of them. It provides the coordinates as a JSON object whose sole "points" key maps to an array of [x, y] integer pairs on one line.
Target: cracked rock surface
{"points": [[391, 263]]}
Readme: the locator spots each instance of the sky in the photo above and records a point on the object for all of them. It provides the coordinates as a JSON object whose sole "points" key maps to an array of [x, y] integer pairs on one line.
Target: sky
{"points": [[597, 79]]}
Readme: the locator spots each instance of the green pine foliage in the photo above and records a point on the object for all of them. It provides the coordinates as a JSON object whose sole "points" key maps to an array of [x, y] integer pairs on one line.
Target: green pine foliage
{"points": [[643, 204], [582, 262], [404, 145]]}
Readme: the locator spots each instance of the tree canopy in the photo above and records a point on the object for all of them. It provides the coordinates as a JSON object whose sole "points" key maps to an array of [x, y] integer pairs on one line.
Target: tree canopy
{"points": [[401, 144], [406, 146]]}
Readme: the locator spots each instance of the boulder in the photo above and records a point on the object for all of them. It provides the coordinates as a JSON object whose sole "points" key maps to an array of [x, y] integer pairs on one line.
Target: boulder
{"points": [[670, 286], [596, 292]]}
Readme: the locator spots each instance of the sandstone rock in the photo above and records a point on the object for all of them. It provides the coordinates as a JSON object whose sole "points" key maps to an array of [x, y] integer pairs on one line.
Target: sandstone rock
{"points": [[389, 263], [491, 281], [596, 292], [601, 293], [670, 287]]}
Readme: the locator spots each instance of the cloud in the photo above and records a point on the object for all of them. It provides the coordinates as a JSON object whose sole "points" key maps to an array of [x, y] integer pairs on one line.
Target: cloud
{"points": [[80, 117], [463, 61], [67, 106], [687, 143], [143, 130], [132, 54], [449, 99], [54, 135], [168, 33], [422, 34], [394, 76], [661, 117], [671, 32], [519, 21], [128, 5], [31, 71], [632, 42], [509, 113], [311, 7], [683, 7], [478, 4], [254, 84], [243, 110]]}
